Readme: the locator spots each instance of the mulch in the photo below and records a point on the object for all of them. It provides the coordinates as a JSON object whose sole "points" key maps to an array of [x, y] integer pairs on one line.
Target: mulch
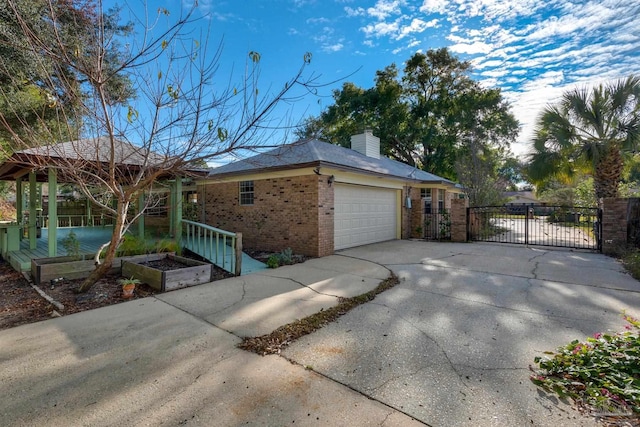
{"points": [[20, 303]]}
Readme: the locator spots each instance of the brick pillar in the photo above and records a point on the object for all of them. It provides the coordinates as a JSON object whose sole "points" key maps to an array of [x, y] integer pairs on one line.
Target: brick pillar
{"points": [[416, 216], [459, 220], [614, 225]]}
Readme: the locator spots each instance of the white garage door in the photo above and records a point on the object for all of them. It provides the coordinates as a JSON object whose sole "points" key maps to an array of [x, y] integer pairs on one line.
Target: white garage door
{"points": [[363, 215]]}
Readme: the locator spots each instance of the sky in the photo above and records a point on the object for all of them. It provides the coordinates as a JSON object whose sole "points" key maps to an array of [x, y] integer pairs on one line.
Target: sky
{"points": [[533, 50]]}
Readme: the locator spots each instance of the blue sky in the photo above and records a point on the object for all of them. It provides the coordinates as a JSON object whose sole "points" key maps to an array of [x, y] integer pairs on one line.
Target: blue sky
{"points": [[532, 49]]}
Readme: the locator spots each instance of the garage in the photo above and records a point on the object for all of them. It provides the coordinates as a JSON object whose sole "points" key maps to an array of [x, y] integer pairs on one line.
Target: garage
{"points": [[364, 215]]}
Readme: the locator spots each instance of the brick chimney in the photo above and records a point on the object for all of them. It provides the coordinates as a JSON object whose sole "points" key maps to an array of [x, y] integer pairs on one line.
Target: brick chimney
{"points": [[366, 143]]}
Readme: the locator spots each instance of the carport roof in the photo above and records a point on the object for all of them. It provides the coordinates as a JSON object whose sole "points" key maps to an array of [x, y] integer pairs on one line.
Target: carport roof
{"points": [[313, 152]]}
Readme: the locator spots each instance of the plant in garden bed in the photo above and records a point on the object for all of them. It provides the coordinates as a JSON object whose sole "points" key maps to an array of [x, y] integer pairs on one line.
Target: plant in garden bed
{"points": [[71, 245], [285, 257], [602, 374]]}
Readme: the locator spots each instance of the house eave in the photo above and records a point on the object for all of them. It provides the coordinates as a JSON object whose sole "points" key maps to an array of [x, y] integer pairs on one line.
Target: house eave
{"points": [[223, 176]]}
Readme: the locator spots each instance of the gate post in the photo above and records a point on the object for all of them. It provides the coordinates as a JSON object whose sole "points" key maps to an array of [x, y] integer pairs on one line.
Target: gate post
{"points": [[614, 225], [526, 225], [459, 220]]}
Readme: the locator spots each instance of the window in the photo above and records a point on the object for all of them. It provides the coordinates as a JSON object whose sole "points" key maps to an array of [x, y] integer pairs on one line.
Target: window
{"points": [[425, 195], [440, 200], [246, 192]]}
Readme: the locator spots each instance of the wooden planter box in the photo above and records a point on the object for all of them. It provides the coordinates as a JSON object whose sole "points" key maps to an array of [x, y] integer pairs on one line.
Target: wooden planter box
{"points": [[45, 269], [194, 273]]}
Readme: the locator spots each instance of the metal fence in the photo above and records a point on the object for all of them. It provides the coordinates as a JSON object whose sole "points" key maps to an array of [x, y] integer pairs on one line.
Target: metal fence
{"points": [[559, 226], [437, 225]]}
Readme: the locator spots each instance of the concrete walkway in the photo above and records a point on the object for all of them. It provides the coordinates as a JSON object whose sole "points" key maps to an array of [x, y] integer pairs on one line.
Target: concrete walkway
{"points": [[450, 345], [172, 360]]}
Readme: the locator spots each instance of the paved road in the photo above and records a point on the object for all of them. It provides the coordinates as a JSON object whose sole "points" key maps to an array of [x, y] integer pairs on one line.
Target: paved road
{"points": [[451, 345]]}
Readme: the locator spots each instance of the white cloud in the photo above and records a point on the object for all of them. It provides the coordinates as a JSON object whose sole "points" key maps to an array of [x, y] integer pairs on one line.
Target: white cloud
{"points": [[434, 6], [494, 73], [416, 26], [380, 29], [351, 12], [471, 48], [385, 8], [333, 48]]}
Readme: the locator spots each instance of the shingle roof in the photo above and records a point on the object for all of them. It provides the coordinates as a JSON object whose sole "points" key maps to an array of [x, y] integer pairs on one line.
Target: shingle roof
{"points": [[310, 152], [97, 150]]}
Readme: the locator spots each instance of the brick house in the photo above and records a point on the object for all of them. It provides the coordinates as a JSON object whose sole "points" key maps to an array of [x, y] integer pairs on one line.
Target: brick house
{"points": [[316, 198]]}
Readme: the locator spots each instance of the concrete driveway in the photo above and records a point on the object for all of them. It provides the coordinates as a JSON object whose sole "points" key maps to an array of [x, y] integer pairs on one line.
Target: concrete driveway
{"points": [[451, 345]]}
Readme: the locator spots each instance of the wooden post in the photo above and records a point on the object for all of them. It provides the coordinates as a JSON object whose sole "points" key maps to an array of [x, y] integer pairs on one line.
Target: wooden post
{"points": [[52, 230], [32, 210], [238, 254]]}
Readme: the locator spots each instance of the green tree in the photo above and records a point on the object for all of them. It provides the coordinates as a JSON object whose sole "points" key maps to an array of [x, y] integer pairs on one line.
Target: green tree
{"points": [[424, 117], [588, 131], [181, 117], [35, 82]]}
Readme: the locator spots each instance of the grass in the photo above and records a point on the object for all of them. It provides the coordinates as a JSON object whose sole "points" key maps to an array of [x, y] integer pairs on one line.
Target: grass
{"points": [[631, 262], [277, 340], [601, 374]]}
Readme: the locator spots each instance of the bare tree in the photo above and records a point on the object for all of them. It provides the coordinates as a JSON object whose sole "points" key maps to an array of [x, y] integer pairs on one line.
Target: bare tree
{"points": [[180, 116]]}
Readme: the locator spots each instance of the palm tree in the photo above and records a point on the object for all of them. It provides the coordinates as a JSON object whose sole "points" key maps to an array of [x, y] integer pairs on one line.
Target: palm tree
{"points": [[589, 130]]}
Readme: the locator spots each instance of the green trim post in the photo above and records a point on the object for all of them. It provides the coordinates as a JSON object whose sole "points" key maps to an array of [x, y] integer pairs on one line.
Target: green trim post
{"points": [[32, 210], [141, 217], [172, 208], [88, 213], [19, 202], [177, 216], [52, 230]]}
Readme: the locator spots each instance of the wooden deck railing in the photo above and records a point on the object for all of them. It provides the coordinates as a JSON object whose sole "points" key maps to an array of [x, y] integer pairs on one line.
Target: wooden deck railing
{"points": [[79, 221], [223, 248]]}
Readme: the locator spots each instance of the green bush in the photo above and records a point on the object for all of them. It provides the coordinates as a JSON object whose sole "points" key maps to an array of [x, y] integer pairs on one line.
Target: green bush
{"points": [[134, 245], [286, 257], [71, 245], [273, 261], [631, 261], [601, 373]]}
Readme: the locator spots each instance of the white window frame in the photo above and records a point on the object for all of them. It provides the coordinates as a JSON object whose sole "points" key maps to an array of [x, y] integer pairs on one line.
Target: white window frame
{"points": [[247, 193]]}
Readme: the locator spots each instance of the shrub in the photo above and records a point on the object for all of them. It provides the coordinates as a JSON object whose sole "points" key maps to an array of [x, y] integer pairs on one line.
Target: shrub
{"points": [[286, 257], [273, 261], [601, 373], [71, 245]]}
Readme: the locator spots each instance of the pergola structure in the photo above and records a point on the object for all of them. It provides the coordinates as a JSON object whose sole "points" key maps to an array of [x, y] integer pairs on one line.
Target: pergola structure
{"points": [[51, 164]]}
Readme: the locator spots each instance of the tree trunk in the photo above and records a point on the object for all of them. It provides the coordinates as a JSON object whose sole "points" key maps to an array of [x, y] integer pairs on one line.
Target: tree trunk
{"points": [[607, 174], [116, 237]]}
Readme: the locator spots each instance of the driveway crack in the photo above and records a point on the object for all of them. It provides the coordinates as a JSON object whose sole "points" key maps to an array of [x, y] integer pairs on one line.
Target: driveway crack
{"points": [[305, 286], [430, 338]]}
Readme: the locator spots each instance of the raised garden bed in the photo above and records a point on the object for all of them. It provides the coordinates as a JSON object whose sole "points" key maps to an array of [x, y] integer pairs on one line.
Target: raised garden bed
{"points": [[166, 272], [43, 270]]}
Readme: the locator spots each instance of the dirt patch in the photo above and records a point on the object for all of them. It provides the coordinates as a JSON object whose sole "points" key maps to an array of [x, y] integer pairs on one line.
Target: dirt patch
{"points": [[21, 304]]}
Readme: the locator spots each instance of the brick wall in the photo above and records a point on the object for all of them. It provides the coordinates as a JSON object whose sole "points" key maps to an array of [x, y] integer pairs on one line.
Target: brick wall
{"points": [[295, 212]]}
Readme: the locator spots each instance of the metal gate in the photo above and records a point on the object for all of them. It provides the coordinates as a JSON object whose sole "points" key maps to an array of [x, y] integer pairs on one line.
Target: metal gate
{"points": [[437, 225], [559, 226]]}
